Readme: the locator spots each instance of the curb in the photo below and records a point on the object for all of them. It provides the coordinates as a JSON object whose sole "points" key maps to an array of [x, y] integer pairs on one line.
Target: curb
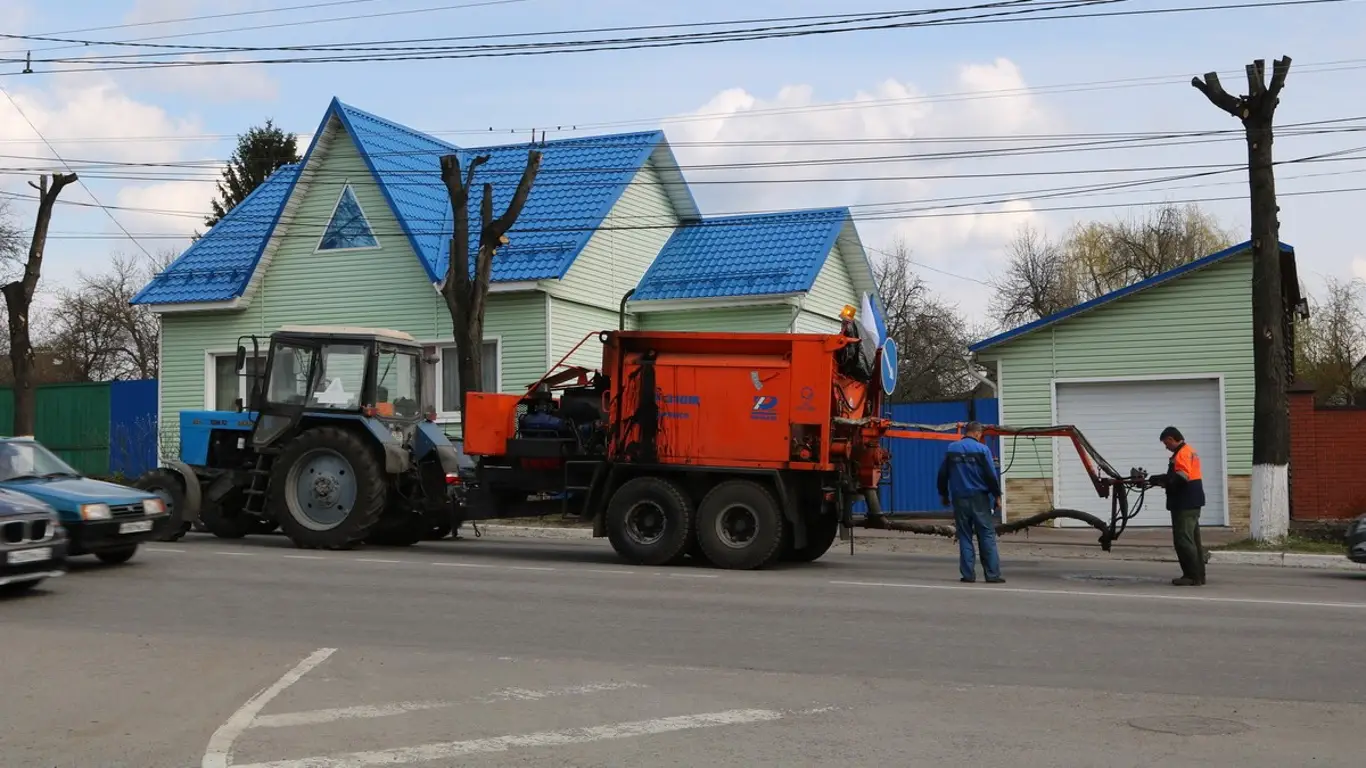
{"points": [[1287, 560]]}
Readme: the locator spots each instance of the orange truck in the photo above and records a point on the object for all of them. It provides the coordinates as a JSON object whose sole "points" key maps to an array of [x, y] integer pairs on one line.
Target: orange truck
{"points": [[739, 449]]}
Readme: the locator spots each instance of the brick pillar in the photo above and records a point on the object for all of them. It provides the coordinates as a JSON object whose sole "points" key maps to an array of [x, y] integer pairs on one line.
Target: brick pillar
{"points": [[1305, 482]]}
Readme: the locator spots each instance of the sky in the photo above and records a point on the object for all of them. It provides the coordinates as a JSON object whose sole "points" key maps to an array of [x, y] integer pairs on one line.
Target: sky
{"points": [[797, 111]]}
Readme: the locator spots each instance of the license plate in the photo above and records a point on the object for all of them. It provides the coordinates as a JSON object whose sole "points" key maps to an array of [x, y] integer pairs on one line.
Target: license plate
{"points": [[141, 526], [30, 555]]}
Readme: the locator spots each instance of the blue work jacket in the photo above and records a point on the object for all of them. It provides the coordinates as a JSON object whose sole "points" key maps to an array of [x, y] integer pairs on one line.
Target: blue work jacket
{"points": [[967, 470]]}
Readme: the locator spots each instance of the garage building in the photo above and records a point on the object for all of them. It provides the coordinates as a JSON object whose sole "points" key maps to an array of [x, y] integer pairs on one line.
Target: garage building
{"points": [[1173, 349]]}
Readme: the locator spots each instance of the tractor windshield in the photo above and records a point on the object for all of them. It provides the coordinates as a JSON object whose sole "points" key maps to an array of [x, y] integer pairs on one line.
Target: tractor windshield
{"points": [[340, 377], [397, 383], [289, 374]]}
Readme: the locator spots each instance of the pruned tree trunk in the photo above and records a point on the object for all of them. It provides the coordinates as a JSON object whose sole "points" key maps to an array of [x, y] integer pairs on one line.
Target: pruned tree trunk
{"points": [[1270, 514], [466, 295], [19, 299]]}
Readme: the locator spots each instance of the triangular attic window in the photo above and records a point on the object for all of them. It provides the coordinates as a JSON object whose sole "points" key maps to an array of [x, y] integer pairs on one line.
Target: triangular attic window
{"points": [[348, 227]]}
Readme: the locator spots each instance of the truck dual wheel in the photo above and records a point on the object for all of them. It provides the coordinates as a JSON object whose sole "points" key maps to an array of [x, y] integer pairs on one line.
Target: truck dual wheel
{"points": [[821, 532], [328, 489], [740, 526], [170, 488], [649, 521]]}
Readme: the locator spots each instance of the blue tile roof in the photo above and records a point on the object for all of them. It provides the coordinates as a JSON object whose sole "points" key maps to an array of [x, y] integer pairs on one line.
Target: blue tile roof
{"points": [[219, 264], [579, 181], [756, 255], [1129, 290]]}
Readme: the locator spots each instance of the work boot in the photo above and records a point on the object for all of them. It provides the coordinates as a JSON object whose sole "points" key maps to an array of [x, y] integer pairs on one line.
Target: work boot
{"points": [[1184, 581]]}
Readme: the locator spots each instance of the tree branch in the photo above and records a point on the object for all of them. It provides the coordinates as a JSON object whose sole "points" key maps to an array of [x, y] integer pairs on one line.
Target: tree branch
{"points": [[493, 234], [1215, 92], [1256, 78], [1279, 69]]}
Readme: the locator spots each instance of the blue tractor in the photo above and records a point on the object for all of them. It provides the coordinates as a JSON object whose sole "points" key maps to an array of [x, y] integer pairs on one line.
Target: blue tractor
{"points": [[334, 447]]}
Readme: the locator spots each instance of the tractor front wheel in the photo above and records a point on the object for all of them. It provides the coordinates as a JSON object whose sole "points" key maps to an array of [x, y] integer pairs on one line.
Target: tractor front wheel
{"points": [[328, 490], [170, 488]]}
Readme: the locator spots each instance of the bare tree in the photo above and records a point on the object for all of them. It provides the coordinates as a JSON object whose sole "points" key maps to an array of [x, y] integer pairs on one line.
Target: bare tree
{"points": [[1256, 110], [931, 336], [1038, 280], [101, 334], [19, 300], [1044, 276], [1330, 343], [466, 294]]}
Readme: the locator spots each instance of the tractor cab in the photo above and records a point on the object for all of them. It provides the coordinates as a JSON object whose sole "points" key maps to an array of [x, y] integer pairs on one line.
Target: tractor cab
{"points": [[334, 372]]}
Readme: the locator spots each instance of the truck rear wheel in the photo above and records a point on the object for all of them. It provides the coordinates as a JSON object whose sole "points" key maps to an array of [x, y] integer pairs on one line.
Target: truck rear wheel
{"points": [[739, 526], [821, 532], [328, 489], [649, 521]]}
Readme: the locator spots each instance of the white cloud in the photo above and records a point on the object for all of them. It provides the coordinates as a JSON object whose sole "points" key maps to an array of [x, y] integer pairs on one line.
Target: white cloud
{"points": [[89, 121], [238, 82], [794, 136]]}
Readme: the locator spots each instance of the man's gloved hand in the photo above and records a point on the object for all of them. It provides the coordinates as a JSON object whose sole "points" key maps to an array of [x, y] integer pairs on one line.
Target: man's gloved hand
{"points": [[1157, 480]]}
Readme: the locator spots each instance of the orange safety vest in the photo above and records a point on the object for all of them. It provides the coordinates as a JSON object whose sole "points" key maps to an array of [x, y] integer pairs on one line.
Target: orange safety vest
{"points": [[1190, 493]]}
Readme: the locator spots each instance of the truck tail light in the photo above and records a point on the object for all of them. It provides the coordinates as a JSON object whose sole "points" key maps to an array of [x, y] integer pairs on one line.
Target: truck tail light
{"points": [[452, 478]]}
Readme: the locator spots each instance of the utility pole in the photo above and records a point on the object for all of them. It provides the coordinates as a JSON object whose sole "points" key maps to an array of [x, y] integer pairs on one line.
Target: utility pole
{"points": [[1256, 110]]}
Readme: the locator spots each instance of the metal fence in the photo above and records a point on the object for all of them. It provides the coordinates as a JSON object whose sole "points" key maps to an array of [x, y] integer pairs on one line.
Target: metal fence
{"points": [[100, 428], [909, 486]]}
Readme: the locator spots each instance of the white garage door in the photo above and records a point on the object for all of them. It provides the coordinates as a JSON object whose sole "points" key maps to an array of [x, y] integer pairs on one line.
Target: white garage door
{"points": [[1123, 420]]}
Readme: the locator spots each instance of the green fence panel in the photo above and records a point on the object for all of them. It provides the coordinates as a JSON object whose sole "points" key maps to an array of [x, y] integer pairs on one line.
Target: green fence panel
{"points": [[72, 420], [6, 412]]}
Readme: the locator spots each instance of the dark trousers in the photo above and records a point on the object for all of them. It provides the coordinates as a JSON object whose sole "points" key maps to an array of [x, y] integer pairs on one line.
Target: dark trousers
{"points": [[1186, 540]]}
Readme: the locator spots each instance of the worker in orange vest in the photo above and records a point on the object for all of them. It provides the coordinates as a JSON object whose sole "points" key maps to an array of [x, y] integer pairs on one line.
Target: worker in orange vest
{"points": [[1185, 486]]}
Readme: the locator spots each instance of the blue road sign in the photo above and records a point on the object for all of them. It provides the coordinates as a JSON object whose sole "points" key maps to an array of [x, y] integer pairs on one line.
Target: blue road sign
{"points": [[889, 366]]}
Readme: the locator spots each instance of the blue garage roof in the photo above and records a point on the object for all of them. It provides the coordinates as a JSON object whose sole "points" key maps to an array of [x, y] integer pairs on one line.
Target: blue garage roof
{"points": [[1287, 266], [579, 181], [735, 256]]}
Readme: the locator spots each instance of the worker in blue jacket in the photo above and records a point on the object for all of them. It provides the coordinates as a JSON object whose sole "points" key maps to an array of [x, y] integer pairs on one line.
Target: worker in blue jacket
{"points": [[968, 481]]}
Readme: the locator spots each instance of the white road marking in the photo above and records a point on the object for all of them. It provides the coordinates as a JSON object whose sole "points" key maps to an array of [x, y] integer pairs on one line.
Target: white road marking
{"points": [[305, 557], [236, 554], [988, 589], [464, 565], [318, 716], [165, 549], [613, 571], [375, 560], [528, 568], [451, 750], [695, 575], [220, 743]]}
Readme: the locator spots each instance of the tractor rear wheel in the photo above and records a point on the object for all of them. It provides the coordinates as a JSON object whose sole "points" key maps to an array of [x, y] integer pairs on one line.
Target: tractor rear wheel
{"points": [[170, 488], [399, 528], [821, 532], [649, 521], [328, 489], [739, 526]]}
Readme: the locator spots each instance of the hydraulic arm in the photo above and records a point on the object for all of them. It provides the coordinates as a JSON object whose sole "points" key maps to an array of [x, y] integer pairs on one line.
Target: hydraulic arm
{"points": [[1108, 481]]}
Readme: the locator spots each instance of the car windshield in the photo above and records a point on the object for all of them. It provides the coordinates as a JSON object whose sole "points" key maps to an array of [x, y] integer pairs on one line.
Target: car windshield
{"points": [[21, 460], [397, 383]]}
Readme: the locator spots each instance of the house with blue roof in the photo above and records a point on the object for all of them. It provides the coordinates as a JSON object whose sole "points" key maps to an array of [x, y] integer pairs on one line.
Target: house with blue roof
{"points": [[358, 233], [1175, 349]]}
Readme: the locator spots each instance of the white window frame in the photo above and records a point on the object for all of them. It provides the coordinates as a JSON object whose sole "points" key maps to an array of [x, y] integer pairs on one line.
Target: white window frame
{"points": [[211, 376], [318, 248], [456, 417]]}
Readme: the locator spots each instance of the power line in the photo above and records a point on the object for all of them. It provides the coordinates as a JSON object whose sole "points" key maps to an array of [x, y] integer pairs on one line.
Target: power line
{"points": [[572, 127], [467, 52], [79, 180], [204, 17]]}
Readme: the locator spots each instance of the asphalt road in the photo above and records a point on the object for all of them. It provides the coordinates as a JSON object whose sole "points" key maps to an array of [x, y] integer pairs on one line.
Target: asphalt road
{"points": [[550, 653]]}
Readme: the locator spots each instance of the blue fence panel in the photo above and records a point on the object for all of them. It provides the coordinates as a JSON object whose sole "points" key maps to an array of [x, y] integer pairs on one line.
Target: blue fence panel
{"points": [[132, 427], [909, 486]]}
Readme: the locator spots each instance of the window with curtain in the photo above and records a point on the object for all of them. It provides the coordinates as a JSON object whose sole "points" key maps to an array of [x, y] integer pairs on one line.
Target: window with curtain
{"points": [[449, 378]]}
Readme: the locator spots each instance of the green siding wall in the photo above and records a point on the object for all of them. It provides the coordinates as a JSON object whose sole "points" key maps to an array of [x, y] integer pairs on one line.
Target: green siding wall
{"points": [[832, 291], [1200, 323], [570, 321], [763, 319], [384, 287], [619, 253]]}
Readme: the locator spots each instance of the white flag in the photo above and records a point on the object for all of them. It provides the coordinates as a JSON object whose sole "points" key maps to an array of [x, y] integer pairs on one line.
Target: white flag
{"points": [[868, 321]]}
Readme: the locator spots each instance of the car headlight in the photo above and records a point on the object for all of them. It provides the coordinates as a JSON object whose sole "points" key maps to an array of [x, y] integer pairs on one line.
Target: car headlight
{"points": [[95, 512], [153, 507]]}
